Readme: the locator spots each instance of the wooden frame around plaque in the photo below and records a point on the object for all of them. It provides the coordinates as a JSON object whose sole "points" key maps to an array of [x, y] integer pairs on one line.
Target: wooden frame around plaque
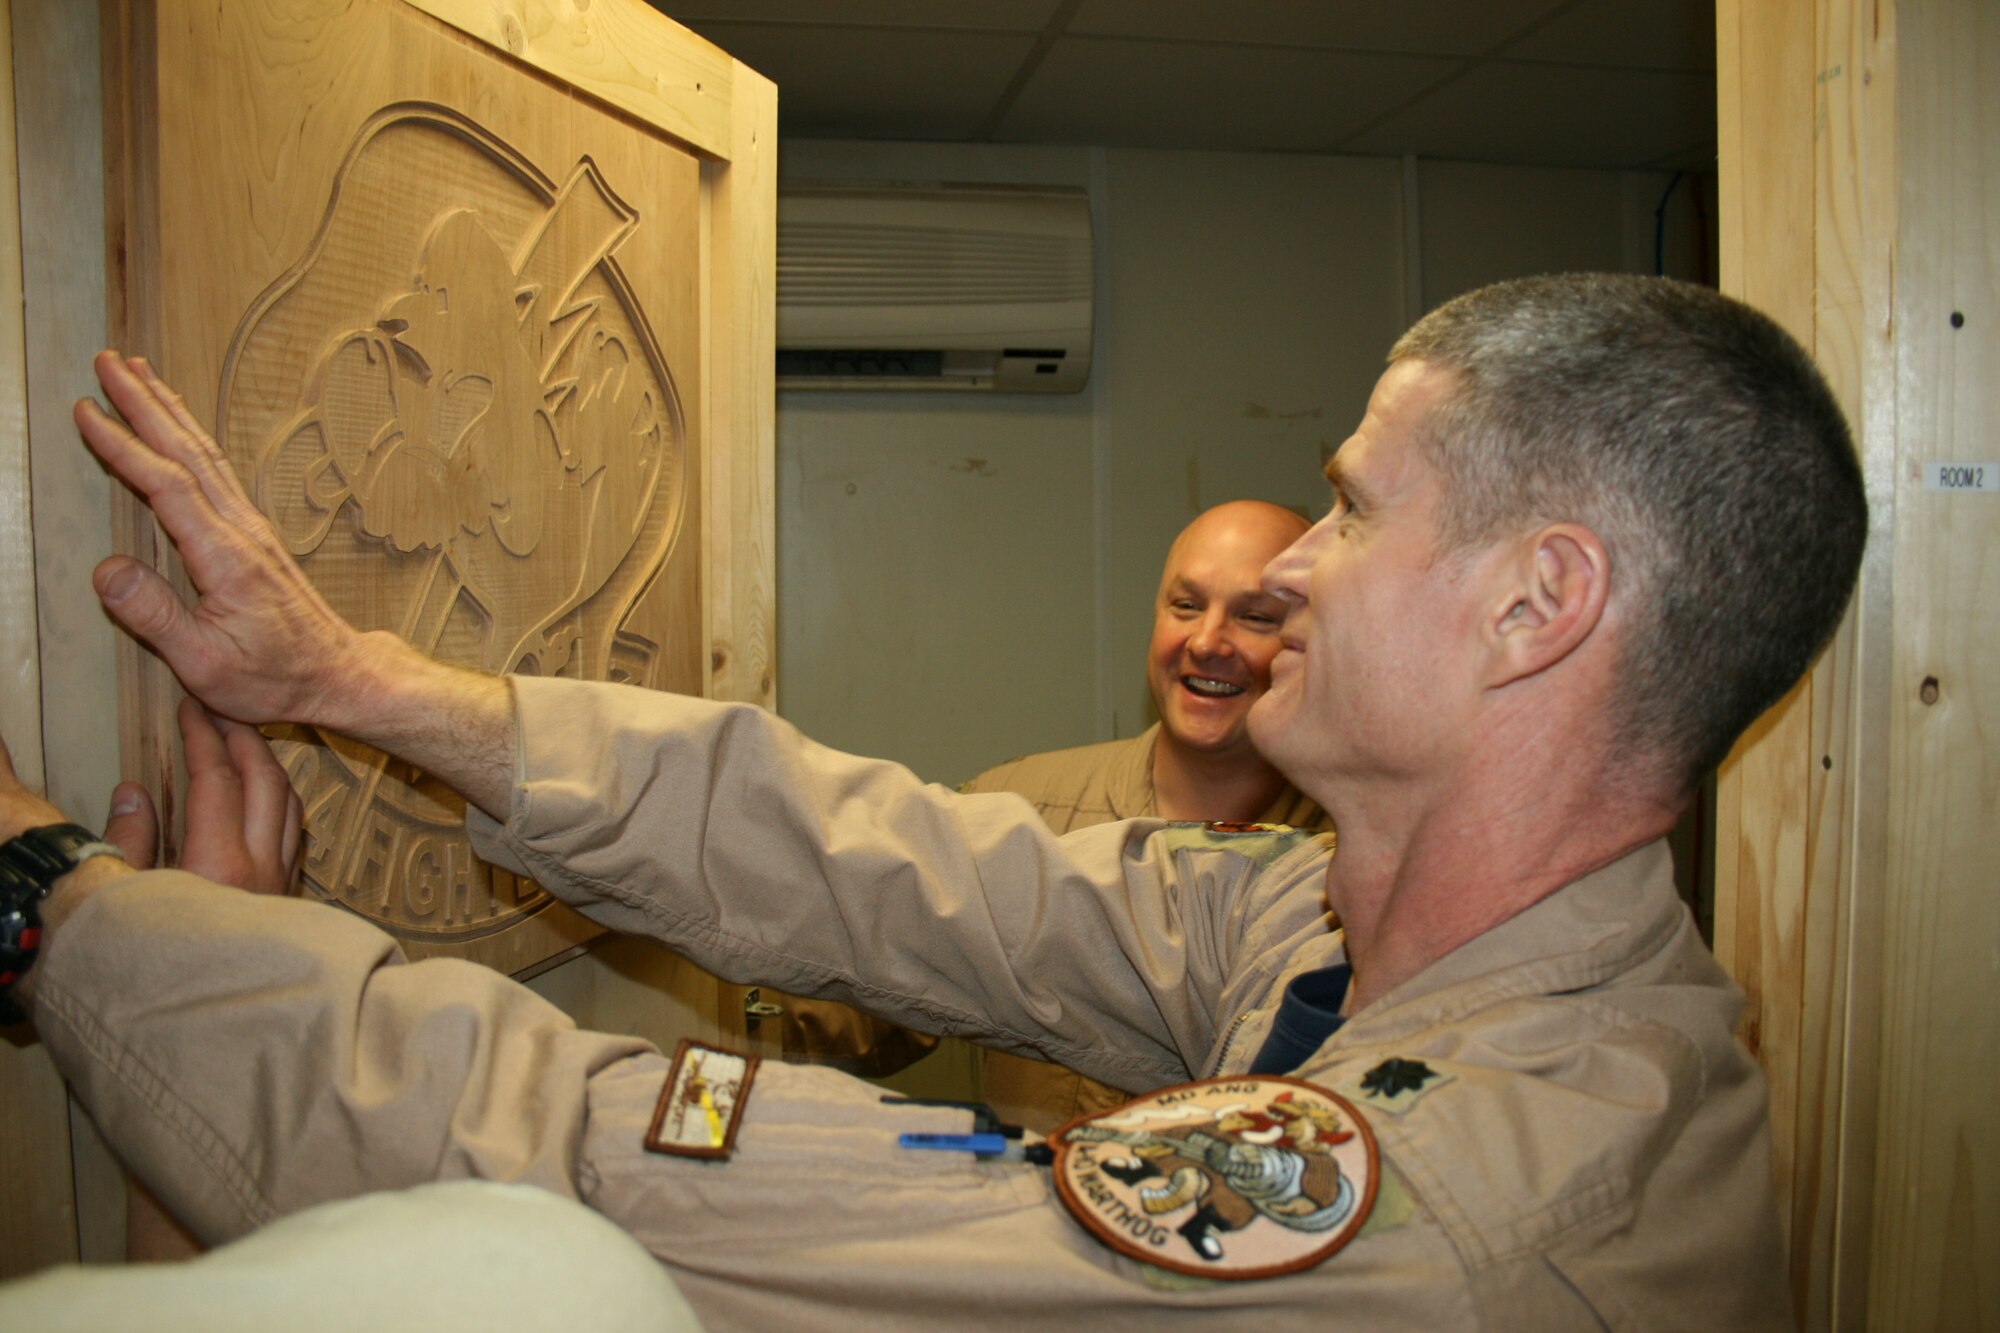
{"points": [[493, 356]]}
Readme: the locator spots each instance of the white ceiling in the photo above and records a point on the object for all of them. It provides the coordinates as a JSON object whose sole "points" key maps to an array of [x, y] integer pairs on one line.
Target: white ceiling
{"points": [[1585, 83]]}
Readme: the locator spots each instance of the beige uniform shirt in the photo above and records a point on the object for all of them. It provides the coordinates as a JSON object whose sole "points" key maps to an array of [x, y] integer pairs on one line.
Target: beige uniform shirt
{"points": [[1073, 789], [1595, 1156], [1096, 784]]}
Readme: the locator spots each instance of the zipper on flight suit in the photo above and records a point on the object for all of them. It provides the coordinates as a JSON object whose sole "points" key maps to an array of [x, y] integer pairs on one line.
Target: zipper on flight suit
{"points": [[1222, 1054]]}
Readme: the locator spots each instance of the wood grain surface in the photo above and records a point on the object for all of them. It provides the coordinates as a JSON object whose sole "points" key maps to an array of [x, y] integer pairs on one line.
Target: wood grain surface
{"points": [[460, 332], [1855, 868], [1936, 1208], [35, 1187]]}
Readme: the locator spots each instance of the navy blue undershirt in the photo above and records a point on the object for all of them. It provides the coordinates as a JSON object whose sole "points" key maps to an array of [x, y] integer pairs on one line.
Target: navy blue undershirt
{"points": [[1307, 1016]]}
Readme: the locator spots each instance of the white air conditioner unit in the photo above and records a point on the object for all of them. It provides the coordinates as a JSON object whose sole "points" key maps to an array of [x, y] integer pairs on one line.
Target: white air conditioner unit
{"points": [[933, 287]]}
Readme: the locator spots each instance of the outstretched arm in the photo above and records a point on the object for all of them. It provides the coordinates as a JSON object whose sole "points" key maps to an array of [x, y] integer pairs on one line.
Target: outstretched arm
{"points": [[250, 1054], [259, 644], [243, 825]]}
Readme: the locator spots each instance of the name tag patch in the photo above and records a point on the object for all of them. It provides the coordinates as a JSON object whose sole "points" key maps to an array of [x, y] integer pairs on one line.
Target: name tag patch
{"points": [[1243, 1177], [701, 1106]]}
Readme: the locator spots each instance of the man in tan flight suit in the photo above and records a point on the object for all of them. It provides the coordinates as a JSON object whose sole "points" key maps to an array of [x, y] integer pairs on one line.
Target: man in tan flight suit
{"points": [[1589, 528]]}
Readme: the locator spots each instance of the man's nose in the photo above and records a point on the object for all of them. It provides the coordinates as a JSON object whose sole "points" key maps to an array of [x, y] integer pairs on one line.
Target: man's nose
{"points": [[1285, 576], [1211, 637]]}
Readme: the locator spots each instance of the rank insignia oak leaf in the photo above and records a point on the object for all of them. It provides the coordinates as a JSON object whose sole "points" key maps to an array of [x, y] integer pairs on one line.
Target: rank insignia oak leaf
{"points": [[1397, 1075]]}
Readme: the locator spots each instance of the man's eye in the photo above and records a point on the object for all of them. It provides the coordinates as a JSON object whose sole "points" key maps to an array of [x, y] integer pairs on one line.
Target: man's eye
{"points": [[1261, 619]]}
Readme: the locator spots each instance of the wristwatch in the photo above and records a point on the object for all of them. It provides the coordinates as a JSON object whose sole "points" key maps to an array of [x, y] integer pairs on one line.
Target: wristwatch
{"points": [[29, 866]]}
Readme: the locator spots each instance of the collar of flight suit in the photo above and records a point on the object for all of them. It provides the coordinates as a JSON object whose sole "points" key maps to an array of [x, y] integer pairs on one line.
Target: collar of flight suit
{"points": [[1581, 935], [1128, 789], [1546, 1118], [1128, 778]]}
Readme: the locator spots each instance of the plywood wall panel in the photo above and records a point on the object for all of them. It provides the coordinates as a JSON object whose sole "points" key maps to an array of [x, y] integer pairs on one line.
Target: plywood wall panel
{"points": [[1937, 1181], [1763, 797], [1888, 1146], [35, 1184], [1854, 113], [71, 1196], [20, 663]]}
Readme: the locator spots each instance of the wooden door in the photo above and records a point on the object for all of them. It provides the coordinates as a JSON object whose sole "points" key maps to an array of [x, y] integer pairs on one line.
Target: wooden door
{"points": [[458, 329], [679, 100]]}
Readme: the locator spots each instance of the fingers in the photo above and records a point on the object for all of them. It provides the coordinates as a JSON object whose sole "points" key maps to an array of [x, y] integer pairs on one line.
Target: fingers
{"points": [[175, 404], [291, 845], [171, 489], [199, 451], [144, 604], [258, 637], [165, 454], [133, 826], [243, 820], [143, 452], [159, 416], [269, 820], [212, 843]]}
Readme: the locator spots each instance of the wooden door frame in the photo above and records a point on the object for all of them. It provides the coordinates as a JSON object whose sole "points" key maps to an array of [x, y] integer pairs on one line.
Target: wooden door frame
{"points": [[1860, 185], [1799, 827], [35, 1157], [628, 56]]}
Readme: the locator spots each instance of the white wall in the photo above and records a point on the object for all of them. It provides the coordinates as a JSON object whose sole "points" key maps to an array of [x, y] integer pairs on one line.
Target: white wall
{"points": [[936, 601], [1250, 301], [964, 578]]}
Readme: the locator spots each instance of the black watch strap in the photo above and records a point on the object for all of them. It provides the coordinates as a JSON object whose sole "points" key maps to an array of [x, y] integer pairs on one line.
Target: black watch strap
{"points": [[30, 864]]}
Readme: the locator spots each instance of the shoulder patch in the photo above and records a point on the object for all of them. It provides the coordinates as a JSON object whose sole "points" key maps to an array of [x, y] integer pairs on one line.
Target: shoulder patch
{"points": [[1242, 1177], [701, 1105]]}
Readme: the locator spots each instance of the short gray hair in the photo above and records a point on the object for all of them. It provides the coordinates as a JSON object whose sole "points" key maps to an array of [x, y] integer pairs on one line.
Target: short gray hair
{"points": [[1698, 441]]}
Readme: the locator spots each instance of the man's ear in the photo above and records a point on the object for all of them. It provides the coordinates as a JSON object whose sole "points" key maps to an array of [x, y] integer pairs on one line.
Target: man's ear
{"points": [[1552, 599]]}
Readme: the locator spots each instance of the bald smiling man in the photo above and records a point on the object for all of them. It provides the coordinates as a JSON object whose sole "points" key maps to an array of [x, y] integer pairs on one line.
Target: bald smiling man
{"points": [[1215, 631]]}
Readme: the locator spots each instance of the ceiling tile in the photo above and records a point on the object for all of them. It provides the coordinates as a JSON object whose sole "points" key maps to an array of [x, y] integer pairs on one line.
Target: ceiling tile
{"points": [[1553, 115], [1186, 95], [876, 83], [1661, 34], [1419, 27], [982, 15]]}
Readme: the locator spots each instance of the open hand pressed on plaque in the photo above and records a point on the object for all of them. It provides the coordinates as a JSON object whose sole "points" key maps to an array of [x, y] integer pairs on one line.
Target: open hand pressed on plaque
{"points": [[259, 644]]}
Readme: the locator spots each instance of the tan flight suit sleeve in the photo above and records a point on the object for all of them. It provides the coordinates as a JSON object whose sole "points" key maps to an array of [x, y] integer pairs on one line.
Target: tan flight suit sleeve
{"points": [[763, 857], [250, 1057]]}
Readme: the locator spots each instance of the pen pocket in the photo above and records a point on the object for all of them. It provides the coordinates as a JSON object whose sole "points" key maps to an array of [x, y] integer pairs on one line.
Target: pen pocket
{"points": [[817, 1159]]}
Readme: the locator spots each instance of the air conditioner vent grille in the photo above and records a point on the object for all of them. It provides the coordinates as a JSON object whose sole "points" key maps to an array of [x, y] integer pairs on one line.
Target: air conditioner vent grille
{"points": [[946, 287], [844, 264]]}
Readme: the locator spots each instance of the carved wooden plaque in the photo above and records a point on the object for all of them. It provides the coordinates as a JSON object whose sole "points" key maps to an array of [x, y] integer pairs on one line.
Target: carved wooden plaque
{"points": [[444, 317]]}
